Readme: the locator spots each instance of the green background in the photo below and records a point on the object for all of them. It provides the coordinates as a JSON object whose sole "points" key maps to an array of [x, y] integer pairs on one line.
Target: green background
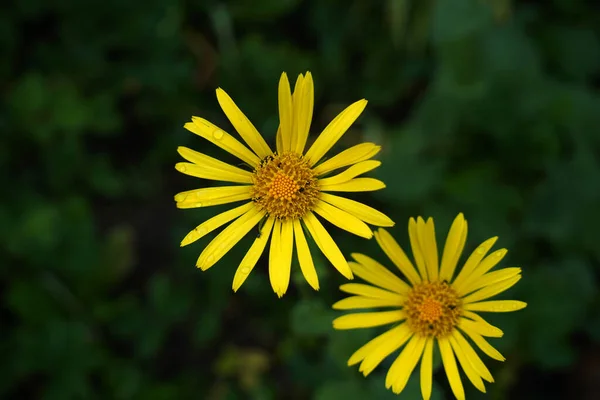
{"points": [[487, 107]]}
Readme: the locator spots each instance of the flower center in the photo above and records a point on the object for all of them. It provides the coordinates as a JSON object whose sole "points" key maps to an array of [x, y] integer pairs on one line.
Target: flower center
{"points": [[432, 309], [285, 186]]}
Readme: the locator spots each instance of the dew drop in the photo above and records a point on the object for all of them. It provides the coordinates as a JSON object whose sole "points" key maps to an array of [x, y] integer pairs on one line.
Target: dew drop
{"points": [[182, 168], [198, 204], [209, 259], [245, 270], [498, 254], [218, 134], [481, 250], [201, 231]]}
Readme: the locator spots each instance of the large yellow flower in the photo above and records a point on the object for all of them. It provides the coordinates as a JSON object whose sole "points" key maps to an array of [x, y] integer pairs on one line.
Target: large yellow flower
{"points": [[283, 190], [434, 306]]}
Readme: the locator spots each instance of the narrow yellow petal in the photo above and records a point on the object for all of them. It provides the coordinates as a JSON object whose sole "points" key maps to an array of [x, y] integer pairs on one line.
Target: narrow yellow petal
{"points": [[205, 172], [371, 345], [275, 256], [403, 366], [453, 247], [285, 257], [252, 256], [375, 273], [372, 291], [343, 220], [395, 253], [474, 260], [303, 99], [285, 112], [359, 210], [355, 185], [228, 237], [368, 320], [427, 370], [496, 306], [327, 245], [228, 172], [358, 302], [451, 368], [305, 259], [350, 173], [224, 140], [214, 223], [484, 266], [466, 365], [416, 248], [472, 284], [492, 290], [243, 125], [426, 233], [479, 325], [334, 131], [353, 155], [472, 356], [384, 349], [279, 140], [212, 196], [484, 345]]}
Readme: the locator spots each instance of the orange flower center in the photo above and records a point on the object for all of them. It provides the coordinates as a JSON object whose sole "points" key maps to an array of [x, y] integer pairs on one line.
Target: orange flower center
{"points": [[432, 309], [285, 186]]}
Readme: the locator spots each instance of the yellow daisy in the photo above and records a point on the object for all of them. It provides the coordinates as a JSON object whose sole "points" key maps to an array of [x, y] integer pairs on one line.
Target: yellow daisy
{"points": [[434, 306], [282, 190]]}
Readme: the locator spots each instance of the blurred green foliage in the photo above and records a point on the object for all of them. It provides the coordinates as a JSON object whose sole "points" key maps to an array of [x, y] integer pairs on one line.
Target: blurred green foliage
{"points": [[489, 107]]}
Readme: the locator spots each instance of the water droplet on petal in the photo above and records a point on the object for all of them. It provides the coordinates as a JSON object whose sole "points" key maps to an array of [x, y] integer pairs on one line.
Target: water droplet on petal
{"points": [[209, 259], [198, 205], [245, 270], [201, 231], [182, 168], [218, 134], [481, 250]]}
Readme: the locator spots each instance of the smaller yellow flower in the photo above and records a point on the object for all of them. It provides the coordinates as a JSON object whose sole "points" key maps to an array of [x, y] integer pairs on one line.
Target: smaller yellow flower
{"points": [[434, 306]]}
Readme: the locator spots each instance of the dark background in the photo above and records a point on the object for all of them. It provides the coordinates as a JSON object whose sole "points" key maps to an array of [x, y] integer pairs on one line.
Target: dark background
{"points": [[489, 107]]}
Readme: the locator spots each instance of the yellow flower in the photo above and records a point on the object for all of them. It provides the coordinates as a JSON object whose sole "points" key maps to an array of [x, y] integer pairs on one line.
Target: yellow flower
{"points": [[283, 190], [434, 306]]}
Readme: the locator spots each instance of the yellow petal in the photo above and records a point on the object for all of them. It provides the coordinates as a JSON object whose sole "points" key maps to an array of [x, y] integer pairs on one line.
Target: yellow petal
{"points": [[214, 223], [474, 260], [368, 320], [355, 185], [466, 365], [334, 131], [279, 140], [228, 237], [416, 248], [427, 370], [484, 266], [451, 368], [472, 356], [372, 291], [385, 347], [373, 344], [453, 247], [484, 345], [285, 112], [252, 256], [479, 325], [426, 233], [306, 262], [359, 210], [212, 196], [280, 256], [491, 278], [303, 98], [491, 290], [375, 273], [358, 302], [343, 220], [395, 253], [350, 173], [224, 140], [217, 169], [327, 245], [353, 155], [404, 365], [496, 306], [243, 125]]}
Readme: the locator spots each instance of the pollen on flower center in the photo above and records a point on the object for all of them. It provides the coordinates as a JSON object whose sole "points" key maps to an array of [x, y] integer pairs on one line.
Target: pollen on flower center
{"points": [[432, 309], [285, 186]]}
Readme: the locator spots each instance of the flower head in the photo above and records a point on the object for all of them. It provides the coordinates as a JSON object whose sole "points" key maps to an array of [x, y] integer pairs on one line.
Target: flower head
{"points": [[282, 190], [435, 306]]}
